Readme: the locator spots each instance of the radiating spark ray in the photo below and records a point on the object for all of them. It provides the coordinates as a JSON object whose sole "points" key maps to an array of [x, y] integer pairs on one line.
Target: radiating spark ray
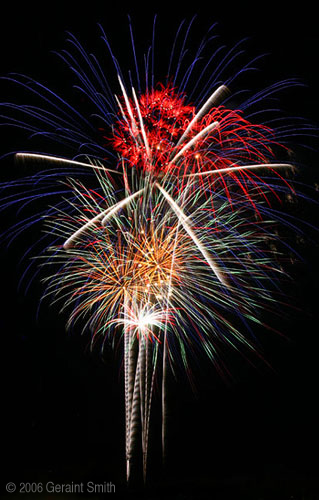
{"points": [[142, 125], [121, 204], [193, 141], [105, 215], [36, 156], [216, 96], [121, 108], [239, 168], [183, 220], [128, 106]]}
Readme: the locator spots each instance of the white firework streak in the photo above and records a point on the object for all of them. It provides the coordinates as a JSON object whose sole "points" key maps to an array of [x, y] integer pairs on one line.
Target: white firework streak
{"points": [[105, 215], [139, 380], [216, 96], [241, 167], [198, 136], [57, 159], [128, 106], [183, 220], [142, 125]]}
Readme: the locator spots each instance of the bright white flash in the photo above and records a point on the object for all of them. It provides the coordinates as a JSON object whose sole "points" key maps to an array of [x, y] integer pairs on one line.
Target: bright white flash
{"points": [[146, 320]]}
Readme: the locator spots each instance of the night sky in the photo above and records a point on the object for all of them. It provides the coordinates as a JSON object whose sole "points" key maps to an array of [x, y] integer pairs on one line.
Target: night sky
{"points": [[256, 437]]}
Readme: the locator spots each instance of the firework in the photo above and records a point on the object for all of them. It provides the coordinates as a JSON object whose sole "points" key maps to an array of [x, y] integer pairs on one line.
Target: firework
{"points": [[174, 239]]}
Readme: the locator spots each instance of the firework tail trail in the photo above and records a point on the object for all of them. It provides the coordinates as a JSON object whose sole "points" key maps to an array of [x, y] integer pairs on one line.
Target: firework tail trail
{"points": [[139, 385], [129, 382], [135, 408], [139, 382], [151, 367], [143, 379]]}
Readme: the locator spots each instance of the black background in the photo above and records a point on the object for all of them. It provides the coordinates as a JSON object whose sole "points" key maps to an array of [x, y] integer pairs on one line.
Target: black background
{"points": [[62, 406]]}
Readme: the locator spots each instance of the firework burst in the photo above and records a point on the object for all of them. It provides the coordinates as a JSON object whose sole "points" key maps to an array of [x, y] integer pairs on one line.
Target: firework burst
{"points": [[174, 239]]}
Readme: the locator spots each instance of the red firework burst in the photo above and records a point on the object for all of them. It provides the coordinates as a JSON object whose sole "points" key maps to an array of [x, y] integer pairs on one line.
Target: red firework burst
{"points": [[162, 135]]}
